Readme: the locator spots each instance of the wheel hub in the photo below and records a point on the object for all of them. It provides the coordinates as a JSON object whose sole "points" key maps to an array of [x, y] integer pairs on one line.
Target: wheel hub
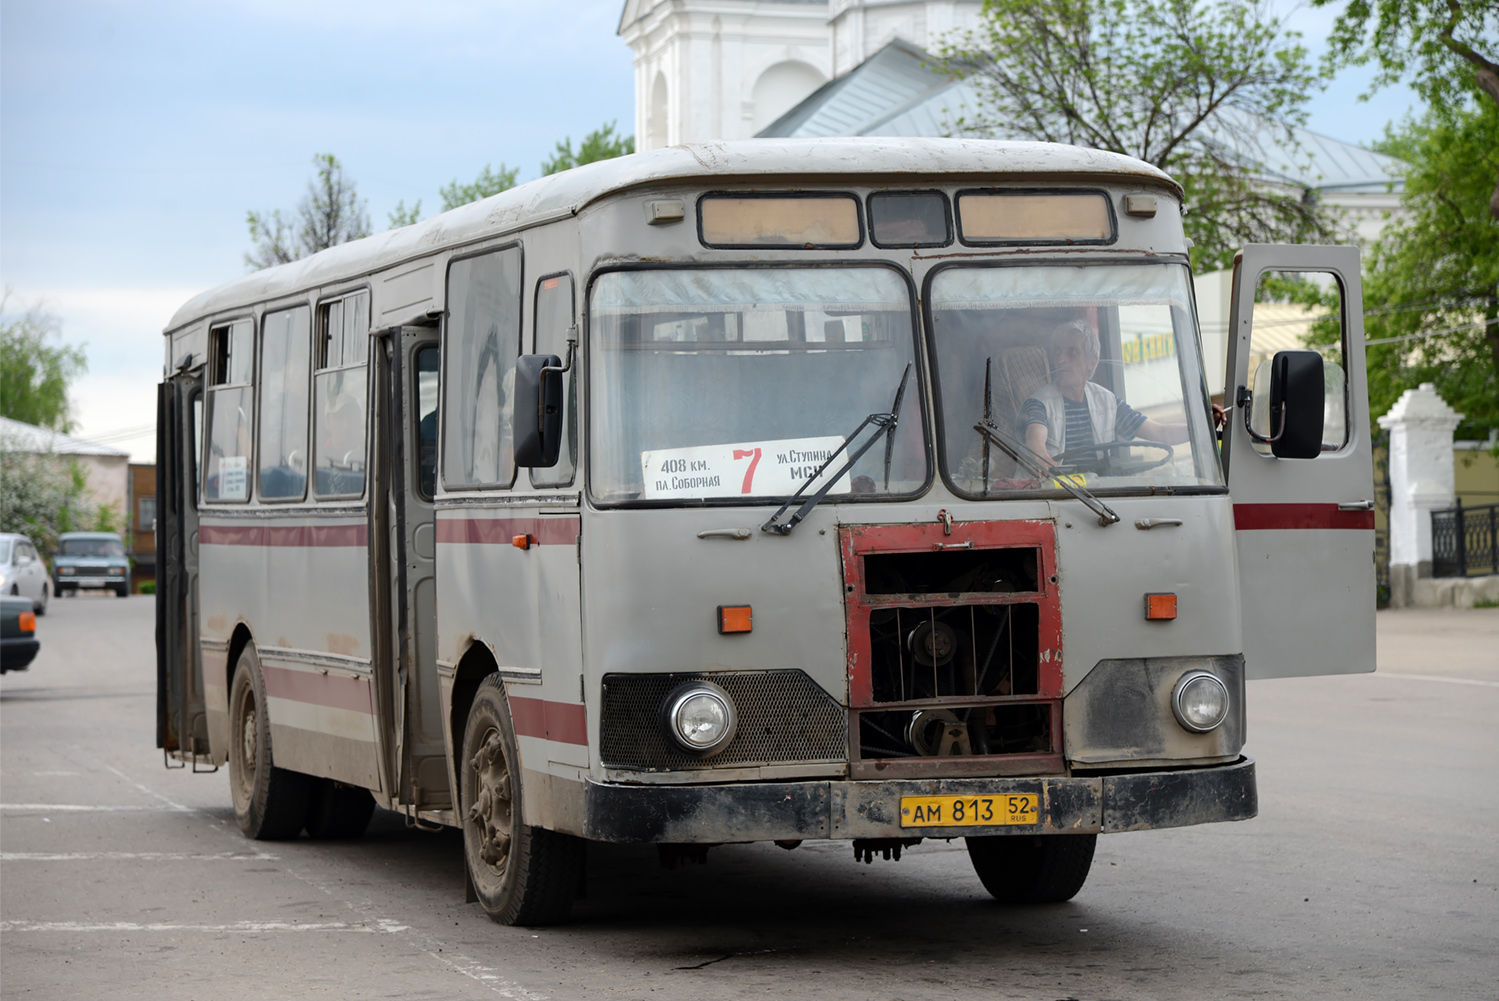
{"points": [[490, 811]]}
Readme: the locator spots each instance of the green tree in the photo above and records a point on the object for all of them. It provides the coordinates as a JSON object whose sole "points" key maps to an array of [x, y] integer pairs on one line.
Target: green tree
{"points": [[330, 213], [1186, 85], [402, 216], [600, 144], [35, 373], [43, 495], [1431, 281], [1444, 48], [489, 182]]}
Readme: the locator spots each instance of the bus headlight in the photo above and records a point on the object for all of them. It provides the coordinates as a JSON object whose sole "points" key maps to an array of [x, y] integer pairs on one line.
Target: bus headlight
{"points": [[700, 717], [1200, 701]]}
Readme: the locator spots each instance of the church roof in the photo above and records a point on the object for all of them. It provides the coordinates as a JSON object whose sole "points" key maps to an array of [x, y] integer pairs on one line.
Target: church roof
{"points": [[898, 92]]}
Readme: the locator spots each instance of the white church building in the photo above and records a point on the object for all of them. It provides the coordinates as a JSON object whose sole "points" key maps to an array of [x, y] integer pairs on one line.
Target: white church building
{"points": [[733, 69]]}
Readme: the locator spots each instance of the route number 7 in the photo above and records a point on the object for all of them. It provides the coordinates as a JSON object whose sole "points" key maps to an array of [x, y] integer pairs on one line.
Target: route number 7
{"points": [[753, 455]]}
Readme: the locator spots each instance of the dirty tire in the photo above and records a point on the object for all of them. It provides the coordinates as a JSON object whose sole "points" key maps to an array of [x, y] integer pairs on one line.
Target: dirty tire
{"points": [[521, 875], [269, 802], [1039, 869], [338, 812]]}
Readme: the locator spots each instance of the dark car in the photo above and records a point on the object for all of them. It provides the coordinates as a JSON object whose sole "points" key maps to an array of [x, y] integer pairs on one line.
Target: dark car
{"points": [[18, 643], [91, 560]]}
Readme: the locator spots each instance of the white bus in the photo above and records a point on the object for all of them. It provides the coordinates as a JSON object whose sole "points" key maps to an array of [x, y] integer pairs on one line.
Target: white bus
{"points": [[755, 491]]}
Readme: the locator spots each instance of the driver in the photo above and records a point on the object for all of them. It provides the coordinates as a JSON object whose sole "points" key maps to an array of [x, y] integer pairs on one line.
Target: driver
{"points": [[1073, 413]]}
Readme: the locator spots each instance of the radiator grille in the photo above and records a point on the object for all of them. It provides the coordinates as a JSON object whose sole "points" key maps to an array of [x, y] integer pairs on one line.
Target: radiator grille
{"points": [[784, 718]]}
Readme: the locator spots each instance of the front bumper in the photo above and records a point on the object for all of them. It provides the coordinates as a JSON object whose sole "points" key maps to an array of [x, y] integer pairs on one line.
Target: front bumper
{"points": [[775, 811], [90, 581], [17, 652]]}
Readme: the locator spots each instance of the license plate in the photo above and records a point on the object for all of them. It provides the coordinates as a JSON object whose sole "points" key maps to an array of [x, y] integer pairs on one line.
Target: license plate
{"points": [[968, 811]]}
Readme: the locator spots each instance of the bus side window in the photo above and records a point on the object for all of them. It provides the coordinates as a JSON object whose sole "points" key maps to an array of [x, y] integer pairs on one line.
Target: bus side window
{"points": [[230, 401], [1297, 310], [339, 396], [481, 343], [284, 346], [426, 421], [554, 325]]}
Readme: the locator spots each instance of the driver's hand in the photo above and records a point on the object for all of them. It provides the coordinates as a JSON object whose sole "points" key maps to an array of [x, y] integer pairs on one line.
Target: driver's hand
{"points": [[1043, 460], [1220, 417]]}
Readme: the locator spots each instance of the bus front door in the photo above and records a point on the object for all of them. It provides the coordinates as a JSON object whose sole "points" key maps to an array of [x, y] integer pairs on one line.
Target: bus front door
{"points": [[406, 447], [1304, 527], [181, 720]]}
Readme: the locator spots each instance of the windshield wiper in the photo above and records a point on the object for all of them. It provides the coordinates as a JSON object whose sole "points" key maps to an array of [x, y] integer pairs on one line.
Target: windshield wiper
{"points": [[884, 424], [1023, 455]]}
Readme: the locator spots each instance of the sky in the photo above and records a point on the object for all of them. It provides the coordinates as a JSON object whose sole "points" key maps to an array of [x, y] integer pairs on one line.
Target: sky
{"points": [[135, 136]]}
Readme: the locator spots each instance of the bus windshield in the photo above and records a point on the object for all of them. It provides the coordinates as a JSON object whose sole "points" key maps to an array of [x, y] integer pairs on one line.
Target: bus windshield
{"points": [[737, 384], [1091, 373]]}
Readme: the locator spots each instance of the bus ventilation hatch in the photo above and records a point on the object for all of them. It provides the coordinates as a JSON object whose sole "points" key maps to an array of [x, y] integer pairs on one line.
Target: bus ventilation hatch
{"points": [[955, 649]]}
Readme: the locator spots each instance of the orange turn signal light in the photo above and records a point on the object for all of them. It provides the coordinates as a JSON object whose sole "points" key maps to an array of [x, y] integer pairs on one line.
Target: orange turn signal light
{"points": [[521, 542], [735, 619], [1160, 606], [27, 621]]}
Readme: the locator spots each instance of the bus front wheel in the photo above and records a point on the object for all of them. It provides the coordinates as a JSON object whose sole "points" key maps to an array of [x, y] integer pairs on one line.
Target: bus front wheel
{"points": [[522, 875], [1033, 869], [269, 802]]}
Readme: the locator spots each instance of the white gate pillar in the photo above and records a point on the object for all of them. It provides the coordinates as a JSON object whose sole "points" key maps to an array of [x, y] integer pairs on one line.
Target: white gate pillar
{"points": [[1421, 481]]}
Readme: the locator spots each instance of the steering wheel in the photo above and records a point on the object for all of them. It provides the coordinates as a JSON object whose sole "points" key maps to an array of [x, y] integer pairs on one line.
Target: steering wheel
{"points": [[1096, 458]]}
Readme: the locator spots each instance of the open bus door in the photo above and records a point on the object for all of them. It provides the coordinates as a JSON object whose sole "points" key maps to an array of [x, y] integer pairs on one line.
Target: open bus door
{"points": [[181, 720], [1304, 526], [403, 551]]}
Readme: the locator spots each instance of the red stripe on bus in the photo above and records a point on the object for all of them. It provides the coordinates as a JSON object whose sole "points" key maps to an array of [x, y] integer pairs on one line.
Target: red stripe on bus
{"points": [[290, 536], [502, 531], [1272, 517], [331, 690], [564, 722]]}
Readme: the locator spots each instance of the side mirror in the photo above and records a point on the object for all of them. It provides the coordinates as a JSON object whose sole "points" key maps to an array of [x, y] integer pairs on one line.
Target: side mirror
{"points": [[1296, 401], [538, 410]]}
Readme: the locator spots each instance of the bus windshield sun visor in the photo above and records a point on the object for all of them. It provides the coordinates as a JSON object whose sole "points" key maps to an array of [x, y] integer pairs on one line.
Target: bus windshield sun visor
{"points": [[1017, 451], [884, 427]]}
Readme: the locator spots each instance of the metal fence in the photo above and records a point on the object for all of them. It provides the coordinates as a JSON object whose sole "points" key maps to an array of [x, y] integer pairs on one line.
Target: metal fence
{"points": [[1463, 541]]}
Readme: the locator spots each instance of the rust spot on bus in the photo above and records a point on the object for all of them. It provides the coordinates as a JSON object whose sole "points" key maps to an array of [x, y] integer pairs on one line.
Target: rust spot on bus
{"points": [[343, 643], [218, 623]]}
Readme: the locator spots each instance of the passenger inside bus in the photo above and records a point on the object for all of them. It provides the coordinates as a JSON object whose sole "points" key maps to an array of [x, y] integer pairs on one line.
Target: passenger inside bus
{"points": [[1071, 413]]}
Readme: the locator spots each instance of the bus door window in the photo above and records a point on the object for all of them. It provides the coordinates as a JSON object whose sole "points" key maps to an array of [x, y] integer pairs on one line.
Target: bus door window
{"points": [[426, 420], [230, 406], [1298, 310], [1093, 369], [339, 396], [482, 342], [284, 349], [554, 325]]}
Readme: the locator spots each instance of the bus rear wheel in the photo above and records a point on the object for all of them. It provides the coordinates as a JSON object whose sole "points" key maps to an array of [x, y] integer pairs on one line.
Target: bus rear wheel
{"points": [[522, 875], [1034, 869], [270, 803]]}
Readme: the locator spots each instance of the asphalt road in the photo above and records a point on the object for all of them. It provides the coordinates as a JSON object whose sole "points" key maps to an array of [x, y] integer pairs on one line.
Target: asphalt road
{"points": [[1371, 872]]}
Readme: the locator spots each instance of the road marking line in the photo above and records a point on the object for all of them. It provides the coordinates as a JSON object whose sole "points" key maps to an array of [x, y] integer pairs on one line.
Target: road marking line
{"points": [[84, 808], [1435, 677], [134, 857], [243, 927], [172, 804]]}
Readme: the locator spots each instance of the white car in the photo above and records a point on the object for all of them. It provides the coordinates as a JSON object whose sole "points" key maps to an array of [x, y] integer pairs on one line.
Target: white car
{"points": [[22, 571]]}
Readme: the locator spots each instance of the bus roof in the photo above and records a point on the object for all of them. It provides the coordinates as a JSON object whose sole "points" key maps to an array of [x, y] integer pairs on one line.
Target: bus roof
{"points": [[560, 195]]}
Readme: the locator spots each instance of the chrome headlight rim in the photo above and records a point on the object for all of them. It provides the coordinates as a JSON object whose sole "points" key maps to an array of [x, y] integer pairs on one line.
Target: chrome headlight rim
{"points": [[1179, 691], [678, 699]]}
